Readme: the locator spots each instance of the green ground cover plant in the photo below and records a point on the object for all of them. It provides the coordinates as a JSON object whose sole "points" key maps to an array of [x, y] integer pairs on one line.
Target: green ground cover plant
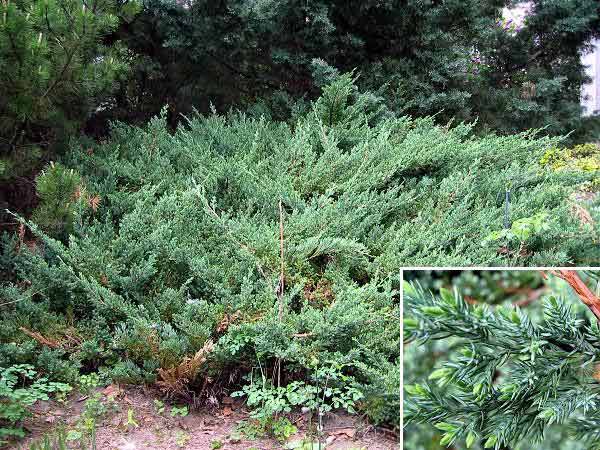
{"points": [[394, 191], [20, 388], [177, 274]]}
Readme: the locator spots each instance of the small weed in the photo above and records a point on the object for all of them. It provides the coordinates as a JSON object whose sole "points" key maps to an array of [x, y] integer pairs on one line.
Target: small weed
{"points": [[521, 231], [131, 419], [182, 438], [95, 407], [83, 434], [251, 429], [216, 444], [20, 388], [282, 429], [74, 435], [181, 411], [88, 383], [159, 406], [279, 428], [83, 437], [54, 441], [61, 397]]}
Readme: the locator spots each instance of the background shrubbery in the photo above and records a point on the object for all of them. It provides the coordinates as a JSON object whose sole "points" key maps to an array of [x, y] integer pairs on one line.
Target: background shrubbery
{"points": [[72, 66]]}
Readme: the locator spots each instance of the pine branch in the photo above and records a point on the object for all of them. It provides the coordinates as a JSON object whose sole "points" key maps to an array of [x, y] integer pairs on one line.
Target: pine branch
{"points": [[511, 378]]}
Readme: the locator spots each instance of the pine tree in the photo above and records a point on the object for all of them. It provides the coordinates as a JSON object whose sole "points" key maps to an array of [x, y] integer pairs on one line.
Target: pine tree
{"points": [[54, 72]]}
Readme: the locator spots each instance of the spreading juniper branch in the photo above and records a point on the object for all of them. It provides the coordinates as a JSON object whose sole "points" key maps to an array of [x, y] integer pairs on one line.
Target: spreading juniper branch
{"points": [[511, 378]]}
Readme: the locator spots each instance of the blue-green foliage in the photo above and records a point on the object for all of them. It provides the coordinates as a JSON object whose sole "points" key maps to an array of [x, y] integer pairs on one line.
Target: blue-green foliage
{"points": [[184, 244], [376, 191], [184, 247], [481, 376]]}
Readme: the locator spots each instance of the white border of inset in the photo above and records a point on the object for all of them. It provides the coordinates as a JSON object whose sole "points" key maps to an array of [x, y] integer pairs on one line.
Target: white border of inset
{"points": [[402, 358]]}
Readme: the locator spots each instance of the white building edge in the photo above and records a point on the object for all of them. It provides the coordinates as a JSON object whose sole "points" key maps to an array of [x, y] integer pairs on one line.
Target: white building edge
{"points": [[590, 92]]}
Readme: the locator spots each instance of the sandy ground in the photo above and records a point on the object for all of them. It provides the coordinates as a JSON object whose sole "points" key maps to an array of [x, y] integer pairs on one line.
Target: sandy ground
{"points": [[205, 429]]}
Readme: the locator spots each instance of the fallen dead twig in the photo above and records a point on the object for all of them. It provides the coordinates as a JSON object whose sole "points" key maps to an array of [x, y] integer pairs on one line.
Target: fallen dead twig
{"points": [[281, 286], [581, 289], [40, 338]]}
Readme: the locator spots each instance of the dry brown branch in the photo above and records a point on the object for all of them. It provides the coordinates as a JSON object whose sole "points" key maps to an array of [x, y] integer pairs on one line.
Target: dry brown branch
{"points": [[281, 285], [302, 335], [581, 289], [70, 341], [21, 235], [584, 216], [94, 202], [470, 300], [40, 338], [227, 320], [578, 210], [532, 296]]}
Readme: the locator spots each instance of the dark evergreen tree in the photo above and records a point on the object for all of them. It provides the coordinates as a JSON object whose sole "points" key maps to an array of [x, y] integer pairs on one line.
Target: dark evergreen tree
{"points": [[54, 73], [457, 59]]}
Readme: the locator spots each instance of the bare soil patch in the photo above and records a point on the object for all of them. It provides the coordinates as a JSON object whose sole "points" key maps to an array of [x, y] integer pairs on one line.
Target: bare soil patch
{"points": [[205, 428]]}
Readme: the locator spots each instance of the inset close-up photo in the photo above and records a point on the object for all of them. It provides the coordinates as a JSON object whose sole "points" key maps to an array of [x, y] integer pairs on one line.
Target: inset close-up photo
{"points": [[501, 360]]}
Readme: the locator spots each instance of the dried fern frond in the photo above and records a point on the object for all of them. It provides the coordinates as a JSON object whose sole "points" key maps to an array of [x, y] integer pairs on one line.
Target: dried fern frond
{"points": [[175, 380]]}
